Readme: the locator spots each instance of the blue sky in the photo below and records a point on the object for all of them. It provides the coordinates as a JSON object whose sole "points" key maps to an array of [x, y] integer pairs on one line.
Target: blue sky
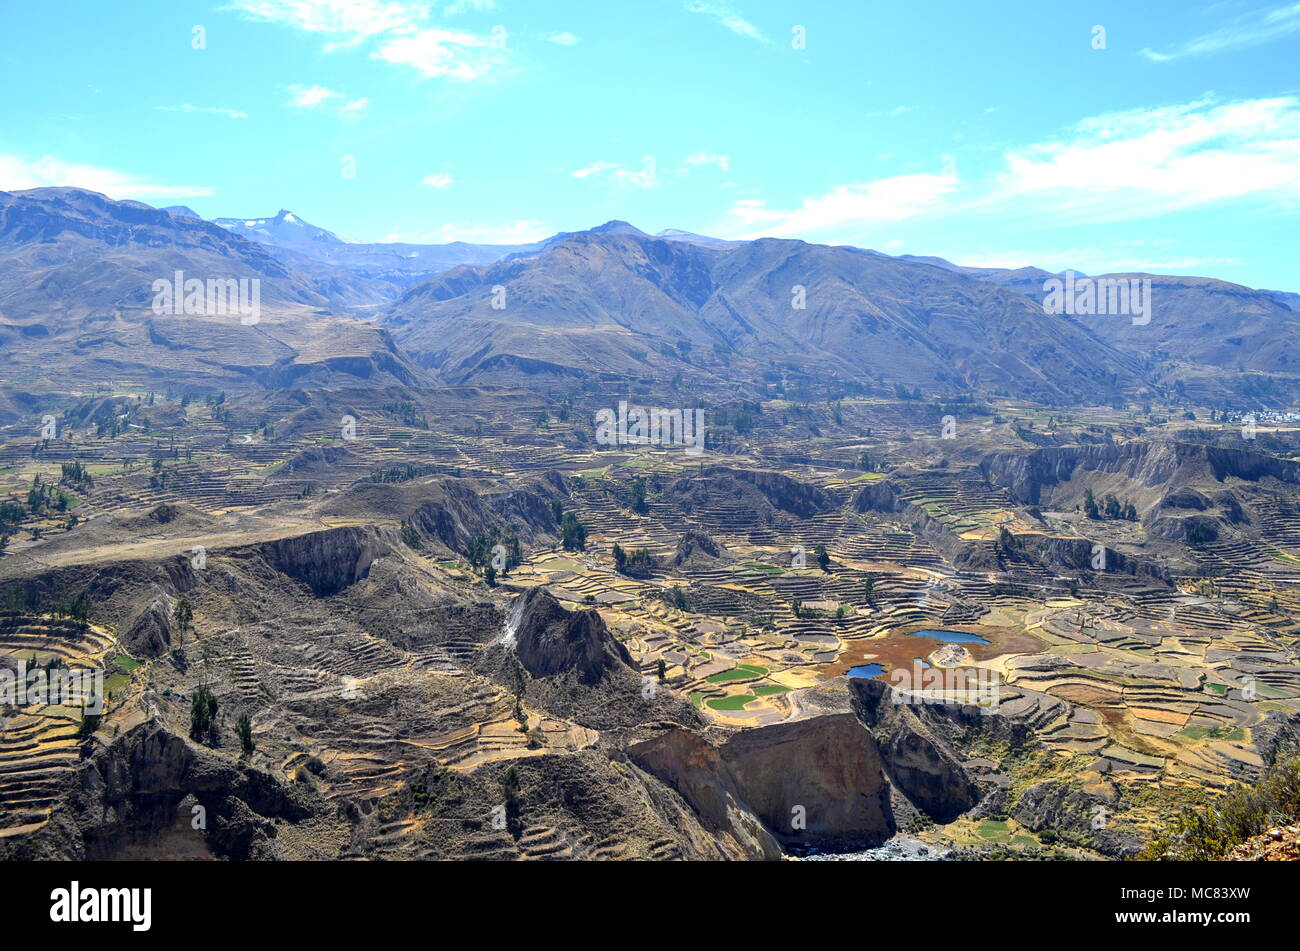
{"points": [[994, 133]]}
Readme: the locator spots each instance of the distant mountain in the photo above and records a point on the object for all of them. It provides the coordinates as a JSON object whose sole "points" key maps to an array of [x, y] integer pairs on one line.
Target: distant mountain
{"points": [[1285, 297], [357, 276], [185, 211], [614, 300], [283, 228], [67, 254], [672, 234], [77, 288], [77, 273], [1194, 320]]}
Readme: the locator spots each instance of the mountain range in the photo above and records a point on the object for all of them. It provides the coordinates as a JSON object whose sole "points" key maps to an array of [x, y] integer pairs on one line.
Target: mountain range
{"points": [[76, 271]]}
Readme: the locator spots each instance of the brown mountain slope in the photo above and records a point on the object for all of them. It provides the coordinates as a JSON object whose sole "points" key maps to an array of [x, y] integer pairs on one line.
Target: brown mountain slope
{"points": [[630, 304]]}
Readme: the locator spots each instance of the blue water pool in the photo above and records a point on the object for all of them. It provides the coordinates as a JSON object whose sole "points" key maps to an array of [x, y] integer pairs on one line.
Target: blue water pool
{"points": [[950, 637], [867, 670]]}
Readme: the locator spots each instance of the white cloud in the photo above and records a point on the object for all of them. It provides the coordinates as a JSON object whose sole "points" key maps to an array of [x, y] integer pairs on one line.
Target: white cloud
{"points": [[352, 20], [324, 99], [562, 39], [211, 110], [397, 30], [438, 180], [595, 168], [844, 206], [1088, 260], [447, 53], [1154, 161], [1142, 163], [16, 174], [705, 157], [727, 15], [309, 97], [1249, 30], [644, 177]]}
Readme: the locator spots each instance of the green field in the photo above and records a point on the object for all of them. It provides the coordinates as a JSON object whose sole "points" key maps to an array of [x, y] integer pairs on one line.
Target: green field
{"points": [[742, 672]]}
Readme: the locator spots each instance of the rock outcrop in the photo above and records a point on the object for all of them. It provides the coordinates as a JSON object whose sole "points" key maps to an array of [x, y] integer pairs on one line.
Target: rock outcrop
{"points": [[550, 641], [816, 782], [131, 790], [327, 561], [918, 760]]}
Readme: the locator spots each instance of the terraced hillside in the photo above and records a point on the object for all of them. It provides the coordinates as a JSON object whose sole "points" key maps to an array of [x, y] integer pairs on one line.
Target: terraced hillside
{"points": [[458, 627]]}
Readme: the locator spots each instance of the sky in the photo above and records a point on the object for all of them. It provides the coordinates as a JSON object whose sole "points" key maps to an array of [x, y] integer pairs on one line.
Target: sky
{"points": [[1104, 136]]}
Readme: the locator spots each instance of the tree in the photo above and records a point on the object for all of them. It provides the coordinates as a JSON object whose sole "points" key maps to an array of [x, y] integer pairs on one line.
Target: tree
{"points": [[638, 563], [1090, 507], [869, 590], [573, 535], [89, 722], [203, 712], [244, 727], [662, 670], [410, 537], [183, 615], [823, 558]]}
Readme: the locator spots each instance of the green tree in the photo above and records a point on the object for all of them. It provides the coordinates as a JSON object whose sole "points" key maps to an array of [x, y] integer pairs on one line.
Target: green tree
{"points": [[573, 534], [203, 712], [244, 727], [183, 615], [410, 537]]}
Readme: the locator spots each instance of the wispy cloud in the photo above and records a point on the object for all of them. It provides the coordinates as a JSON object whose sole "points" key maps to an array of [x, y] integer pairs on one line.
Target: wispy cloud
{"points": [[325, 99], [210, 110], [595, 168], [447, 53], [1141, 163], [397, 31], [705, 157], [1253, 29], [728, 16], [561, 39], [1145, 162], [1089, 260], [438, 180], [17, 173], [351, 21], [465, 6], [844, 206], [645, 177]]}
